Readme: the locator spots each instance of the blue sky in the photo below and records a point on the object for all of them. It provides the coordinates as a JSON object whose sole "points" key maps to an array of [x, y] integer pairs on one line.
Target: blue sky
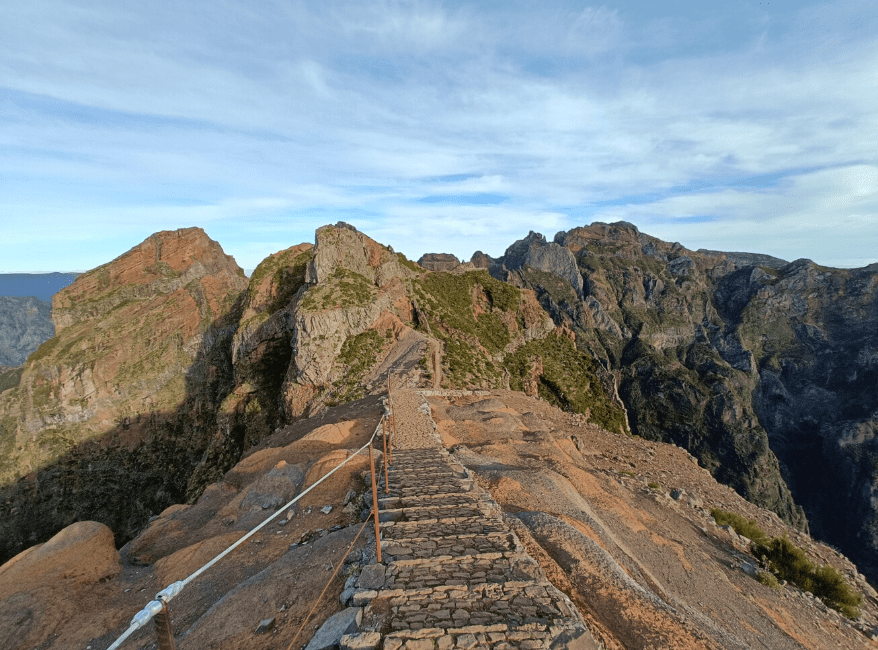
{"points": [[436, 126]]}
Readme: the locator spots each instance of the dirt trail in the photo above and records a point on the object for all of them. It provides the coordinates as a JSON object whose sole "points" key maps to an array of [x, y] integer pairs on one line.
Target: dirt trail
{"points": [[436, 363]]}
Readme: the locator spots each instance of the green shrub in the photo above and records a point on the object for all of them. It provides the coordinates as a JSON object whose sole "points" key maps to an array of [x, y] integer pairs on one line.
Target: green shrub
{"points": [[744, 527], [788, 562], [654, 486], [408, 263], [568, 379], [768, 579]]}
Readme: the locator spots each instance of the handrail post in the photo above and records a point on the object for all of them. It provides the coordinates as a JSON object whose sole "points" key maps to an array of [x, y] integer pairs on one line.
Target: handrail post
{"points": [[375, 505], [384, 440], [163, 629]]}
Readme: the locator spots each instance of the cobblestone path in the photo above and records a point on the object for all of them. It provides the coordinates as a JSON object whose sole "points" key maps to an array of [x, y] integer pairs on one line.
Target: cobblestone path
{"points": [[453, 574]]}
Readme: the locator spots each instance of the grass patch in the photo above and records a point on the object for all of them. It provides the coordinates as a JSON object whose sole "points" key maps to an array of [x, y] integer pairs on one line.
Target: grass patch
{"points": [[787, 561], [341, 290], [10, 378], [744, 527], [466, 312], [406, 262], [654, 486], [287, 271], [568, 379], [358, 354], [768, 579]]}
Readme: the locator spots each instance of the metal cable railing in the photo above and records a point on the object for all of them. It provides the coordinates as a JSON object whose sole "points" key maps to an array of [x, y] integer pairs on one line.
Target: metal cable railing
{"points": [[157, 609]]}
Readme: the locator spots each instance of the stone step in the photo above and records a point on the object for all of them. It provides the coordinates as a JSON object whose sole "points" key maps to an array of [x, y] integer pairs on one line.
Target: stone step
{"points": [[457, 485], [406, 548], [411, 479], [463, 570], [452, 509], [461, 497], [446, 607], [392, 502], [497, 637], [450, 527], [426, 484]]}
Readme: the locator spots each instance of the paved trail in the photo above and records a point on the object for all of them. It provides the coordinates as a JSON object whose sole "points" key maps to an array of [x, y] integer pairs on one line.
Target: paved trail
{"points": [[455, 576]]}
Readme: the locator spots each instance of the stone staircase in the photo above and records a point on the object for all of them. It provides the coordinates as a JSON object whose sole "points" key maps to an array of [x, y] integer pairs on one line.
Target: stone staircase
{"points": [[453, 574]]}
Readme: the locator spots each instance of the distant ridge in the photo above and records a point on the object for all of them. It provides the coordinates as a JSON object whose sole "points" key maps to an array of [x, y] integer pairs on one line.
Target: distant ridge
{"points": [[39, 285]]}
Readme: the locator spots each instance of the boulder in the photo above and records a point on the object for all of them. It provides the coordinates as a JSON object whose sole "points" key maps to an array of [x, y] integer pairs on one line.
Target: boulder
{"points": [[83, 553], [280, 485], [336, 626]]}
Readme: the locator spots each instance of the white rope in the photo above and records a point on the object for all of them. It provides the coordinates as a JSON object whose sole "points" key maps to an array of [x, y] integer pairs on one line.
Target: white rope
{"points": [[165, 595]]}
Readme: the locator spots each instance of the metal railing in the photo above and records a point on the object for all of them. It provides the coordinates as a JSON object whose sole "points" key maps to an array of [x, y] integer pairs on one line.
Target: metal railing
{"points": [[157, 609]]}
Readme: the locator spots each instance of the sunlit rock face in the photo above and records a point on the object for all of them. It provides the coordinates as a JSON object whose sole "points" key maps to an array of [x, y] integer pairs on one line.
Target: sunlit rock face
{"points": [[764, 369], [121, 396]]}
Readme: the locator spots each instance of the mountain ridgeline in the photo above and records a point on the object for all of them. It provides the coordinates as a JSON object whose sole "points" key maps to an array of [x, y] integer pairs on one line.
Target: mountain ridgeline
{"points": [[168, 364]]}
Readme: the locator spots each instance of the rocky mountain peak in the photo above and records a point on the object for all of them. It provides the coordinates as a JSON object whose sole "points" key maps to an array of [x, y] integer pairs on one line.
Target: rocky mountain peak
{"points": [[162, 264], [535, 252], [343, 248]]}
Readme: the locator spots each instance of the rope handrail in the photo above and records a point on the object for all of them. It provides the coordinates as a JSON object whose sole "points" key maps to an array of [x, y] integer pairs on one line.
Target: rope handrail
{"points": [[165, 595]]}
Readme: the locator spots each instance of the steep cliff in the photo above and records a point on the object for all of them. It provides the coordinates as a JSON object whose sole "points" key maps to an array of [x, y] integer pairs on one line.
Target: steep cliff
{"points": [[113, 412], [25, 323], [763, 369]]}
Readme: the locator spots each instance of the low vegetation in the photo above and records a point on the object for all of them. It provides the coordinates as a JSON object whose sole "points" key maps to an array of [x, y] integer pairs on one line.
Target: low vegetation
{"points": [[469, 312], [358, 354], [287, 271], [406, 262], [567, 380], [744, 527], [783, 560], [787, 561], [341, 290]]}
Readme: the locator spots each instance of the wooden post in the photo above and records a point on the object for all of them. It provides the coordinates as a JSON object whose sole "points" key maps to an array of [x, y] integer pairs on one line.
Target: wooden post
{"points": [[163, 629], [384, 440], [375, 505]]}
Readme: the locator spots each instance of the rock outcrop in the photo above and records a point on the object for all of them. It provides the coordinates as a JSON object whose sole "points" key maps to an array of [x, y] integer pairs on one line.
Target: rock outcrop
{"points": [[25, 323], [124, 395], [536, 253], [763, 367], [438, 261]]}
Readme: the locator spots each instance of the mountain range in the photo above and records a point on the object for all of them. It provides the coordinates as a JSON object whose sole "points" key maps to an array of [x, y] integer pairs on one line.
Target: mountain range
{"points": [[169, 368]]}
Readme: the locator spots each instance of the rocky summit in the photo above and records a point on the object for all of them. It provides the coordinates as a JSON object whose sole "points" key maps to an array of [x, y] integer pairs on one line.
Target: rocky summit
{"points": [[600, 441]]}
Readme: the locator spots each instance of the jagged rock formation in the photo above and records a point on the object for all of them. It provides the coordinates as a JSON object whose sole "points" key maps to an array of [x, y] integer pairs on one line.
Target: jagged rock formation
{"points": [[535, 253], [748, 259], [762, 369], [25, 323], [438, 261]]}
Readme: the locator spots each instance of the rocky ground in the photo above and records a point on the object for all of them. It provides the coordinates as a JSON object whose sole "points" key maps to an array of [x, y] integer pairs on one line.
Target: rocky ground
{"points": [[646, 566]]}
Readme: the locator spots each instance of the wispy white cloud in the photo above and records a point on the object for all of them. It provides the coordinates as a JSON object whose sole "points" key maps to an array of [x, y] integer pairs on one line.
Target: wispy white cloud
{"points": [[208, 113]]}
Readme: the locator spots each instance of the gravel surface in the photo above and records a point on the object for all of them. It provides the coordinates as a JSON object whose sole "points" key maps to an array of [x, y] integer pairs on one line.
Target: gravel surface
{"points": [[415, 428]]}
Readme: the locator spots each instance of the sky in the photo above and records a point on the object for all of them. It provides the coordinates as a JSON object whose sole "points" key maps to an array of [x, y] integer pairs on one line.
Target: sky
{"points": [[436, 126]]}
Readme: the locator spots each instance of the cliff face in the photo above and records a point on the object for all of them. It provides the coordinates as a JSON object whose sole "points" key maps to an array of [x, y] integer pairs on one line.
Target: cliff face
{"points": [[813, 332], [116, 407], [764, 370], [25, 322]]}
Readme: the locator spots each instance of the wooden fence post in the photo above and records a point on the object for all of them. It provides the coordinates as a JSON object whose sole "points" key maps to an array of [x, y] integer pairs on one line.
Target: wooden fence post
{"points": [[163, 629], [375, 504]]}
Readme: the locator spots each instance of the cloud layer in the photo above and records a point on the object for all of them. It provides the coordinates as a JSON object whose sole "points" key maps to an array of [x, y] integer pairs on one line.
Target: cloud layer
{"points": [[435, 126]]}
